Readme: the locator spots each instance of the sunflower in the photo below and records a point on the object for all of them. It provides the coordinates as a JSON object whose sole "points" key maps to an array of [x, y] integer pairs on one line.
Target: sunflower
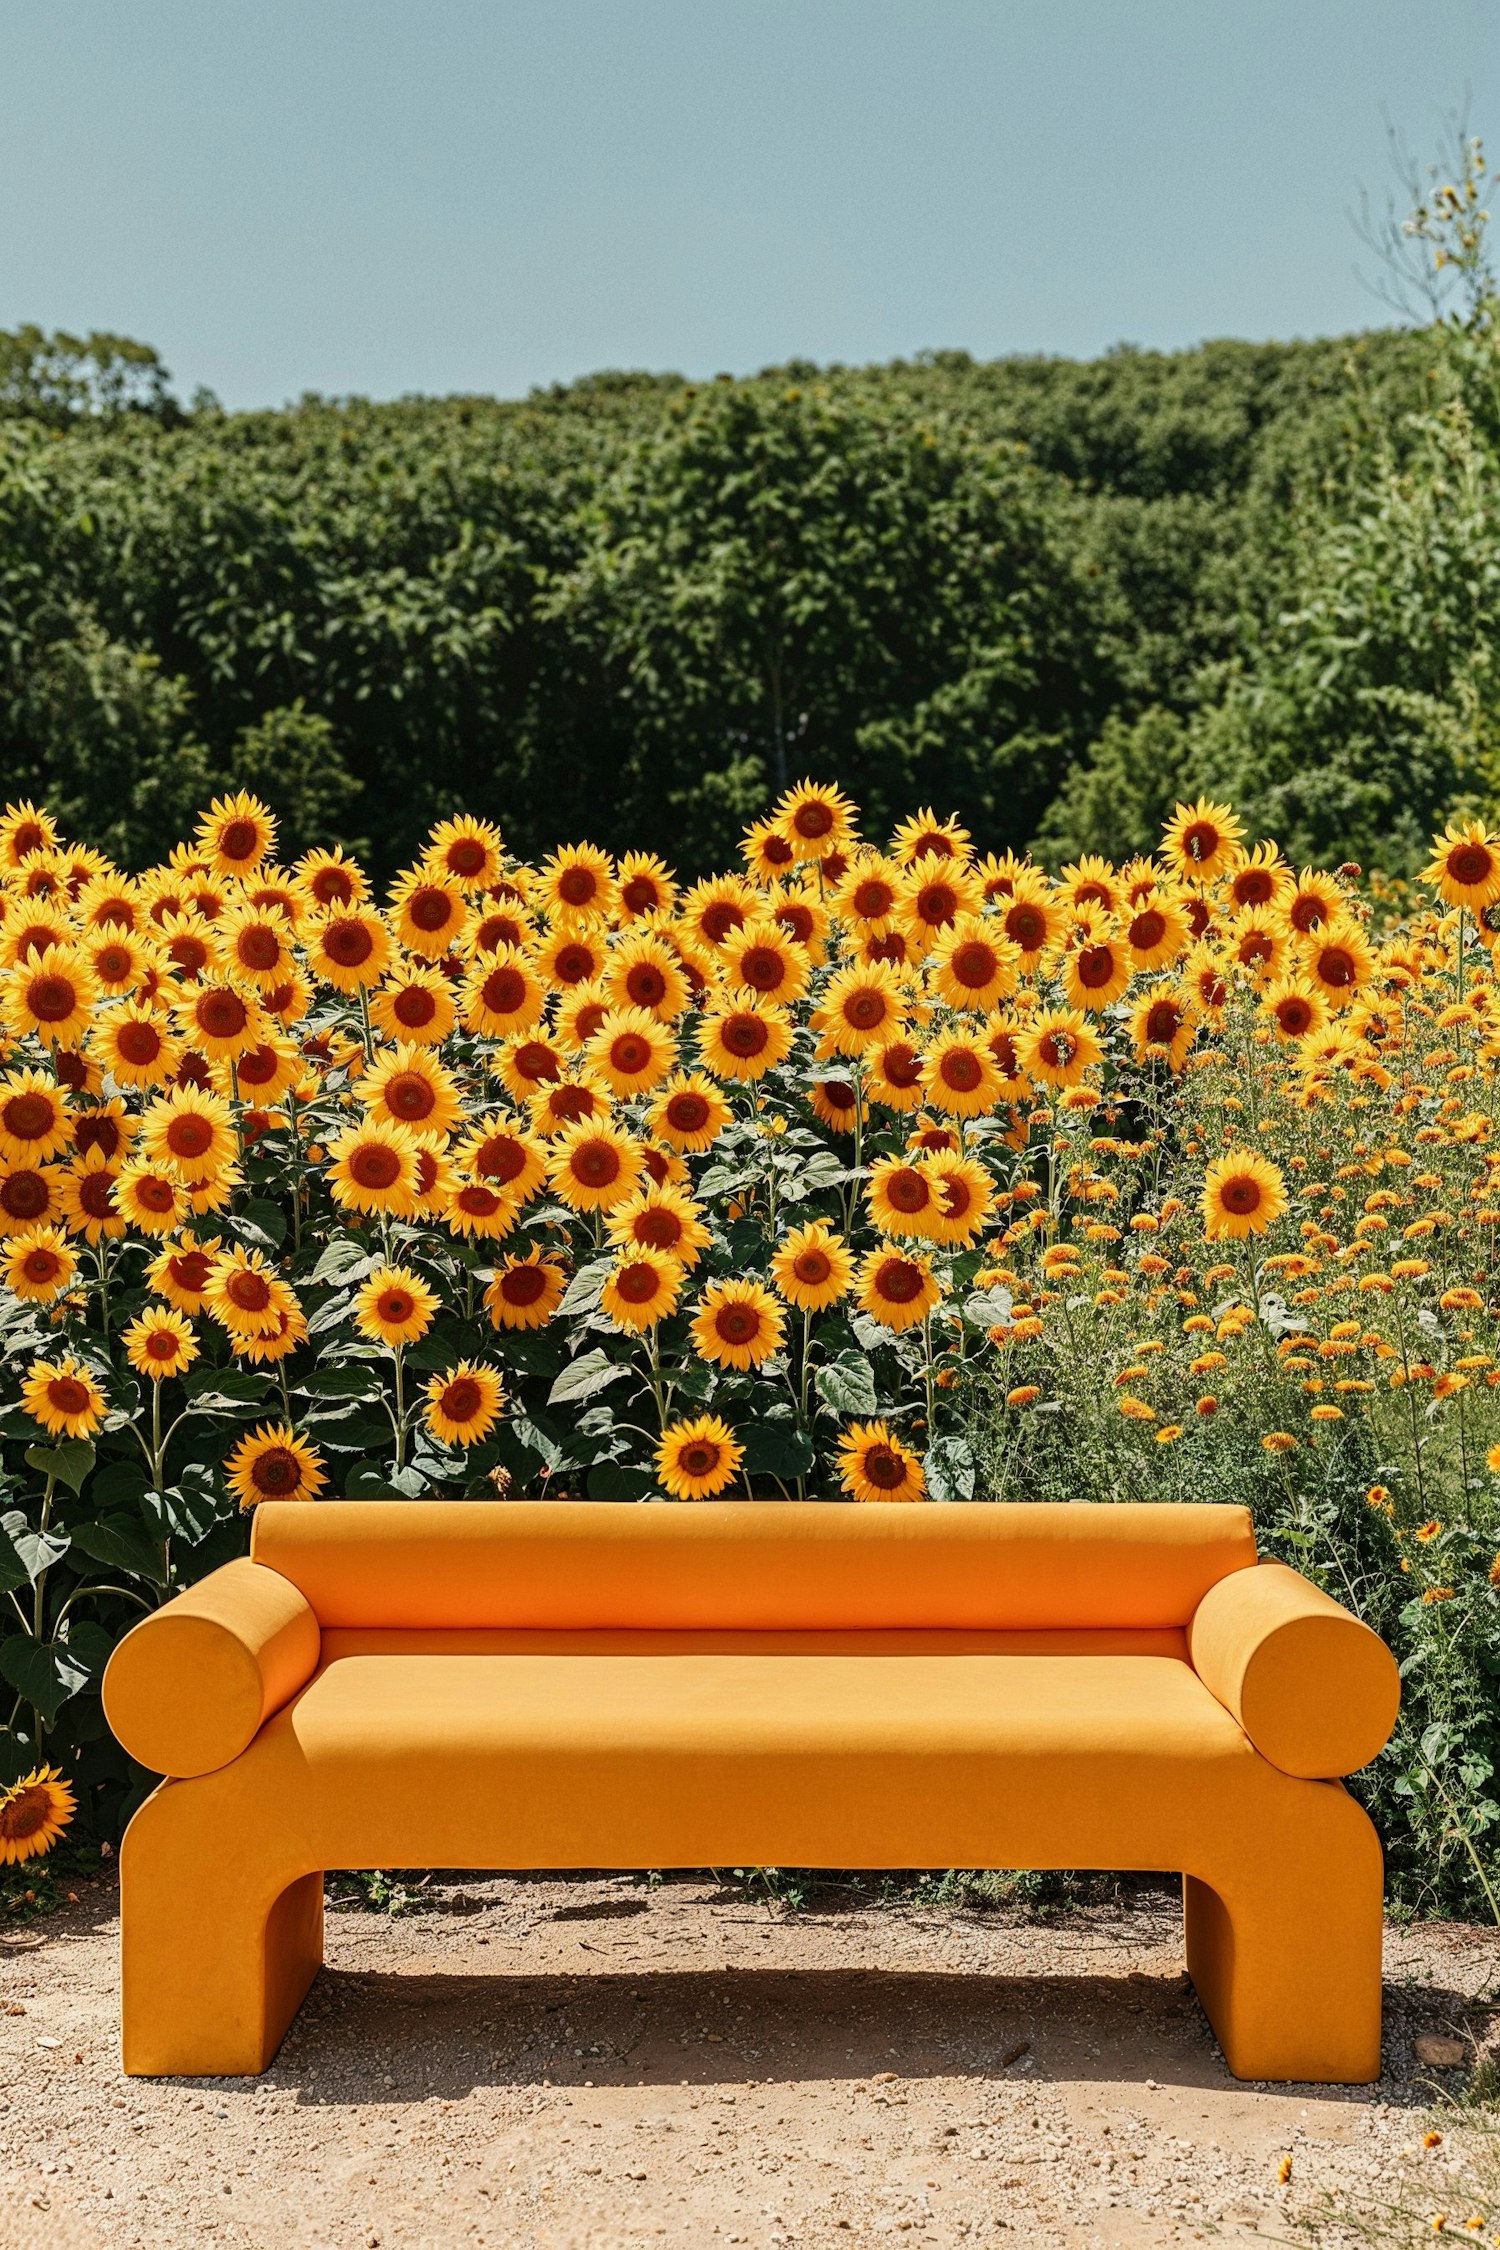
{"points": [[1257, 879], [181, 1272], [742, 1040], [51, 995], [1154, 930], [964, 1198], [31, 1195], [568, 958], [244, 1294], [934, 896], [805, 920], [1001, 1034], [24, 830], [1091, 882], [695, 1460], [498, 925], [436, 1179], [289, 1001], [1465, 865], [813, 1267], [893, 1076], [116, 961], [236, 833], [527, 1061], [327, 879], [349, 949], [644, 972], [901, 1196], [1163, 1026], [1057, 1048], [189, 1129], [641, 1289], [463, 1405], [896, 1287], [711, 910], [394, 1306], [256, 946], [874, 1465], [414, 1008], [34, 1119], [474, 1208], [576, 1098], [959, 1074], [594, 1166], [1258, 942], [410, 1087], [647, 887], [525, 1292], [1201, 839], [580, 1012], [863, 1007], [815, 819], [429, 913], [689, 1112], [503, 994], [924, 836], [578, 885], [661, 1219], [219, 1022], [34, 1811], [631, 1052], [63, 1396], [974, 966], [1337, 959], [273, 1463], [1243, 1194], [767, 851], [27, 939], [160, 1342], [1296, 1009], [737, 1324], [263, 1073], [188, 946], [151, 1197], [868, 895], [1314, 900], [762, 959], [1032, 918], [834, 1102], [505, 1157], [38, 1265], [1095, 971], [663, 1167], [465, 850], [87, 1192], [372, 1166]]}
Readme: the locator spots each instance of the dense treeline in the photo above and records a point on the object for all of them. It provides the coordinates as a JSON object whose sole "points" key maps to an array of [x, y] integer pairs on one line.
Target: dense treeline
{"points": [[1045, 595]]}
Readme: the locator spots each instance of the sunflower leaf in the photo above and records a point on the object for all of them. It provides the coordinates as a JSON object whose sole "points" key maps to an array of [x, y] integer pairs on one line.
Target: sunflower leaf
{"points": [[45, 1672], [950, 1469], [846, 1385], [70, 1463], [346, 1259], [589, 1373], [122, 1545]]}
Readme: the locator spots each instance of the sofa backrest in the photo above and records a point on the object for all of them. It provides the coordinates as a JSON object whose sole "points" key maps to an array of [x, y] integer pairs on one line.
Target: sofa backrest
{"points": [[750, 1566]]}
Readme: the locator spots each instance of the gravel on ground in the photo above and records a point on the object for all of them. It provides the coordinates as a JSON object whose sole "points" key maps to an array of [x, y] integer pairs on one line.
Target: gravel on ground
{"points": [[565, 2063]]}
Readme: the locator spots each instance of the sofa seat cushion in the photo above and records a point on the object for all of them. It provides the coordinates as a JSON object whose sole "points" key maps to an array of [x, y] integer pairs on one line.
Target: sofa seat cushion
{"points": [[692, 1759]]}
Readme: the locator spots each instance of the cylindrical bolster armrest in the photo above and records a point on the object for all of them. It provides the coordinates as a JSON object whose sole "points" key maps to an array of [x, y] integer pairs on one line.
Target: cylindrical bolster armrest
{"points": [[190, 1688], [1316, 1691]]}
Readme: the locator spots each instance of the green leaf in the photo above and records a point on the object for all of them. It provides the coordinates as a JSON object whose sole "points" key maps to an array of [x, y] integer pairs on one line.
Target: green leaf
{"points": [[69, 1463], [846, 1385], [225, 1390], [776, 1448], [345, 1260], [188, 1509], [949, 1468], [262, 1224], [119, 1484], [122, 1545], [615, 1480], [589, 1373], [343, 1382], [45, 1672], [582, 1292], [35, 1551], [530, 1353]]}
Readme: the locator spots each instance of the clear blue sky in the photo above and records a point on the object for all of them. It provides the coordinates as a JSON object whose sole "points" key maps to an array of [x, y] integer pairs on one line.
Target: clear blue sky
{"points": [[360, 195]]}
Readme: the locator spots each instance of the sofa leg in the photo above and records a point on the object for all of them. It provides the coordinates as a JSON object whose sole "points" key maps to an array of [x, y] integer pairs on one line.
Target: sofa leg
{"points": [[1287, 1964], [212, 1974]]}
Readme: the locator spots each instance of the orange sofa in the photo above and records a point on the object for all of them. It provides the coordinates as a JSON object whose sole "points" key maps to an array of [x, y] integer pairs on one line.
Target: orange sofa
{"points": [[553, 1684]]}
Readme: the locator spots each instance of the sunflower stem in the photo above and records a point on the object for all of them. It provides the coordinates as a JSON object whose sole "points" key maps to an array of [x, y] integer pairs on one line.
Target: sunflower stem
{"points": [[399, 1356]]}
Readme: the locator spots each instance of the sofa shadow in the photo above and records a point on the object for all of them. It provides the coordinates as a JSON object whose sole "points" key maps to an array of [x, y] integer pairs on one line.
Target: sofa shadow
{"points": [[380, 2038]]}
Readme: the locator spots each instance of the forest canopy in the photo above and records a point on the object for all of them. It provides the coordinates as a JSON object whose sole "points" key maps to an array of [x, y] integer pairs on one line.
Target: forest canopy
{"points": [[1046, 595]]}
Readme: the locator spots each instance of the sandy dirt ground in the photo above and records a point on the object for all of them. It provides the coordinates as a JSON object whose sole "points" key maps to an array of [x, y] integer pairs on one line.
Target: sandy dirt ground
{"points": [[581, 2064]]}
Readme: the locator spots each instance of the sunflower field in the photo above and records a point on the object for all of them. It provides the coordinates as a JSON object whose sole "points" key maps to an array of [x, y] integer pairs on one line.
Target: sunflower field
{"points": [[890, 1170]]}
